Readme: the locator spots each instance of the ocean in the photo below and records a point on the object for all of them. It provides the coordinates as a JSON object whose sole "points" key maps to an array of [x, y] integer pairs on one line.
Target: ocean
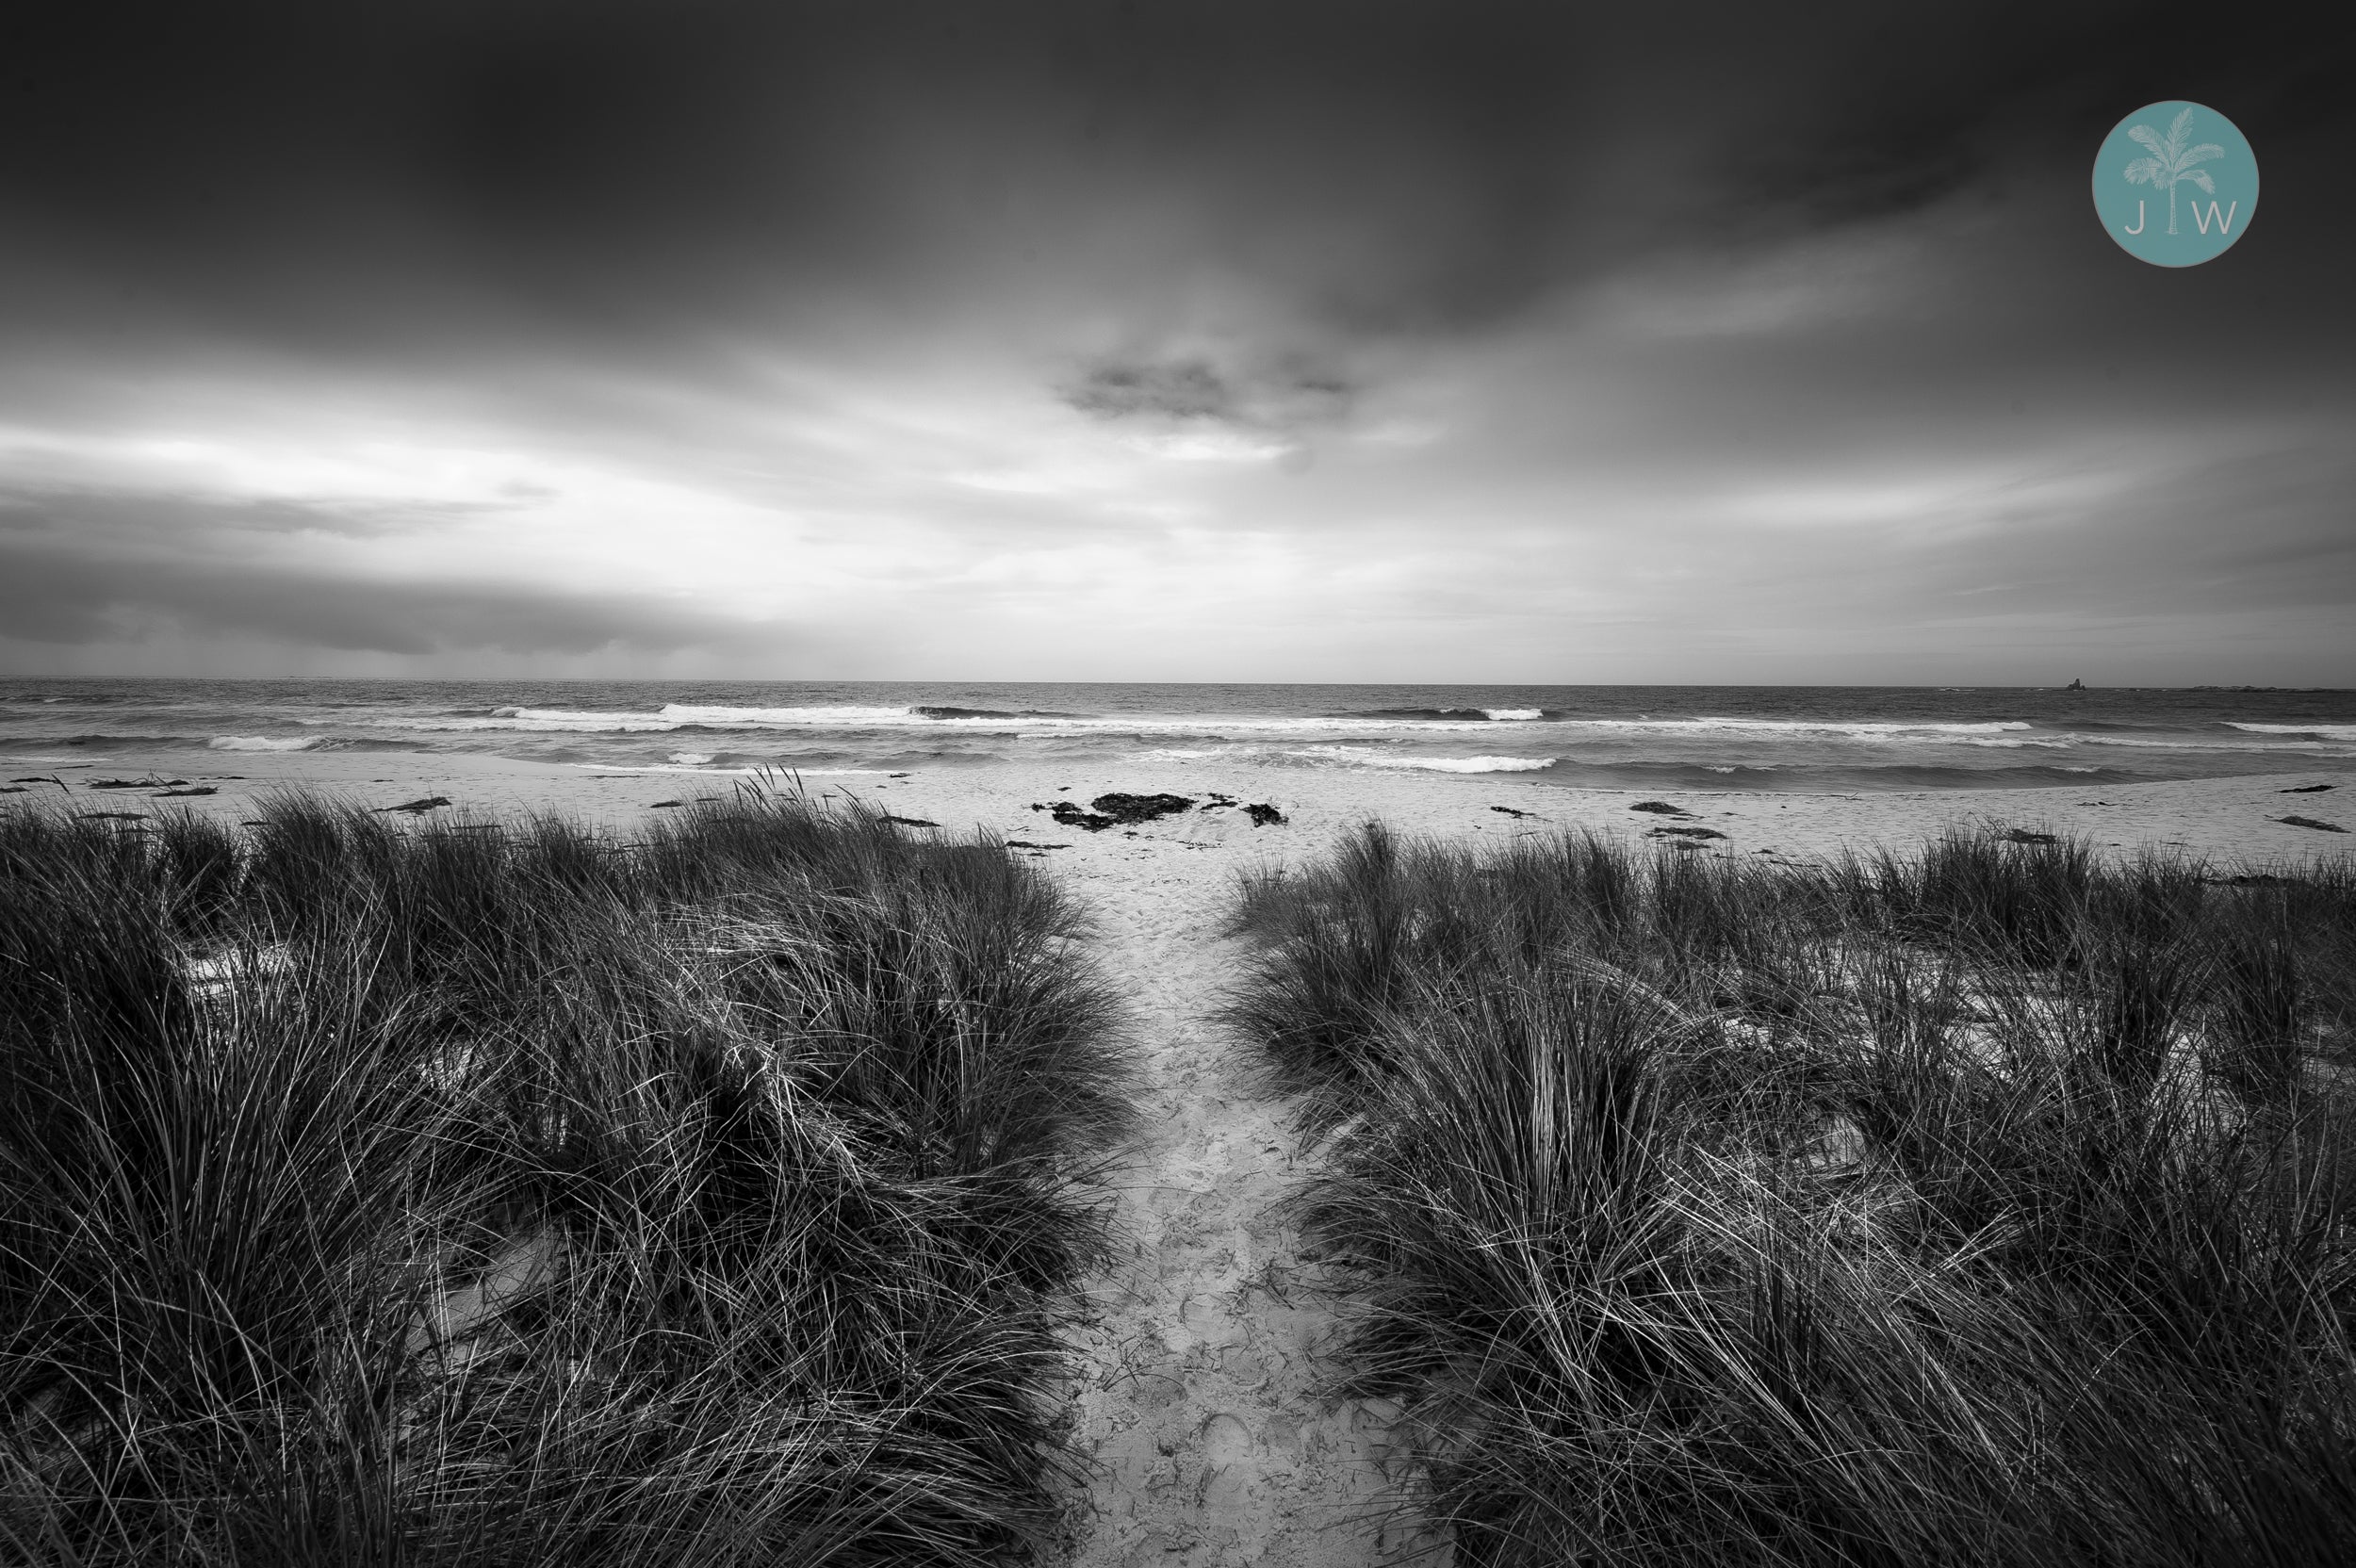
{"points": [[1623, 737]]}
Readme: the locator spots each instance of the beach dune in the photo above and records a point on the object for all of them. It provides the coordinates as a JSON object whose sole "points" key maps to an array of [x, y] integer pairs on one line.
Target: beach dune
{"points": [[1197, 1392]]}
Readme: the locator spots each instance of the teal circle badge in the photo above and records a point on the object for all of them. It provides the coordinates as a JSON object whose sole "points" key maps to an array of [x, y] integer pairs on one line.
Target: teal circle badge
{"points": [[2175, 183]]}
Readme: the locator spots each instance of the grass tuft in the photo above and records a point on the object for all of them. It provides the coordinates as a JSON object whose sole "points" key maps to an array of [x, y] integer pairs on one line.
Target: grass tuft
{"points": [[389, 1191], [1989, 1204]]}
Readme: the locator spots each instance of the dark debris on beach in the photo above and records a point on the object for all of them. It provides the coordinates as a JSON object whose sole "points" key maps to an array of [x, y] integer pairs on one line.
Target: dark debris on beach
{"points": [[1119, 810], [1112, 809], [2311, 822], [1128, 809]]}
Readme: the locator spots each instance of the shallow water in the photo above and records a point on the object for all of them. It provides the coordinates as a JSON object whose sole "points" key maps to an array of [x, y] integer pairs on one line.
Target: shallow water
{"points": [[1671, 738]]}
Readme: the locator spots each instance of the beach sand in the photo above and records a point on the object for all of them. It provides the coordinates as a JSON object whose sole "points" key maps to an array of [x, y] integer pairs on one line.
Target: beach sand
{"points": [[1196, 1402], [2236, 820]]}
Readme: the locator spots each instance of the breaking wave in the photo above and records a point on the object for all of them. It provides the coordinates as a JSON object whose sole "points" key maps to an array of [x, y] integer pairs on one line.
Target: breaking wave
{"points": [[1351, 755], [272, 743], [1478, 715], [2302, 732]]}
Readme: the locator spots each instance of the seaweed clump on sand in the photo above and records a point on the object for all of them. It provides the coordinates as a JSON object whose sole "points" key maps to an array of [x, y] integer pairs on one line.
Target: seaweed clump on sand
{"points": [[1990, 1203], [378, 1190], [1126, 808], [1115, 809]]}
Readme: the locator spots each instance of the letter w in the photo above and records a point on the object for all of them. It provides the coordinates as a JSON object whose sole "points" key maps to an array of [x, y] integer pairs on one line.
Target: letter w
{"points": [[2224, 225]]}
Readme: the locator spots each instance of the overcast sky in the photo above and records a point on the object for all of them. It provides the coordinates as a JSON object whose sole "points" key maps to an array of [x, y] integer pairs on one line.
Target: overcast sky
{"points": [[1180, 340]]}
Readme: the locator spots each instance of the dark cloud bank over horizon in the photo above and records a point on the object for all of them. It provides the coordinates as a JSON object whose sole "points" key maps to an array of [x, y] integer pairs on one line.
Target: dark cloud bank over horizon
{"points": [[1282, 340]]}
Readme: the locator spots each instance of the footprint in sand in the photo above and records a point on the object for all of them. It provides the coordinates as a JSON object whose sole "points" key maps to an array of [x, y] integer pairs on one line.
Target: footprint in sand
{"points": [[1200, 1410]]}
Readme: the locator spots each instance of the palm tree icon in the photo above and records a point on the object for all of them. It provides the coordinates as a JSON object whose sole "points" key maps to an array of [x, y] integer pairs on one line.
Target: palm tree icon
{"points": [[2172, 160]]}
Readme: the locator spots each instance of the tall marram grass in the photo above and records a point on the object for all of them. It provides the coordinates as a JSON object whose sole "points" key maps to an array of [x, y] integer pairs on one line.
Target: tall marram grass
{"points": [[510, 1194], [1988, 1205]]}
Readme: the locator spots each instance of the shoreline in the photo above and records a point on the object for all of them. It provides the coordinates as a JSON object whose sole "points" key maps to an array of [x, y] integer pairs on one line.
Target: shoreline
{"points": [[2233, 822]]}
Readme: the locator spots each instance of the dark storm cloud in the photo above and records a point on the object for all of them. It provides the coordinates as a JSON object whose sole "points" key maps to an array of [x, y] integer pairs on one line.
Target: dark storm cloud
{"points": [[83, 567], [821, 308], [1185, 390], [1283, 399], [54, 597], [602, 171]]}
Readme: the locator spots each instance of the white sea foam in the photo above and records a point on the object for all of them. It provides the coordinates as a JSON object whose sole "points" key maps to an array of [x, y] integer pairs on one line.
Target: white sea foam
{"points": [[723, 717], [556, 719], [1353, 756], [1860, 728], [269, 743], [680, 715], [1999, 734], [2329, 731], [1466, 765], [691, 757], [2314, 748], [838, 716]]}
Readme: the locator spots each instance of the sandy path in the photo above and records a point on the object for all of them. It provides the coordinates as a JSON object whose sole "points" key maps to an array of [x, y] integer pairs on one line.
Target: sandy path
{"points": [[1197, 1407]]}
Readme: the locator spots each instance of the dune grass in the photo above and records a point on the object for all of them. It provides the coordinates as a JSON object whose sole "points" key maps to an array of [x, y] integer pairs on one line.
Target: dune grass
{"points": [[509, 1194], [1990, 1205]]}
